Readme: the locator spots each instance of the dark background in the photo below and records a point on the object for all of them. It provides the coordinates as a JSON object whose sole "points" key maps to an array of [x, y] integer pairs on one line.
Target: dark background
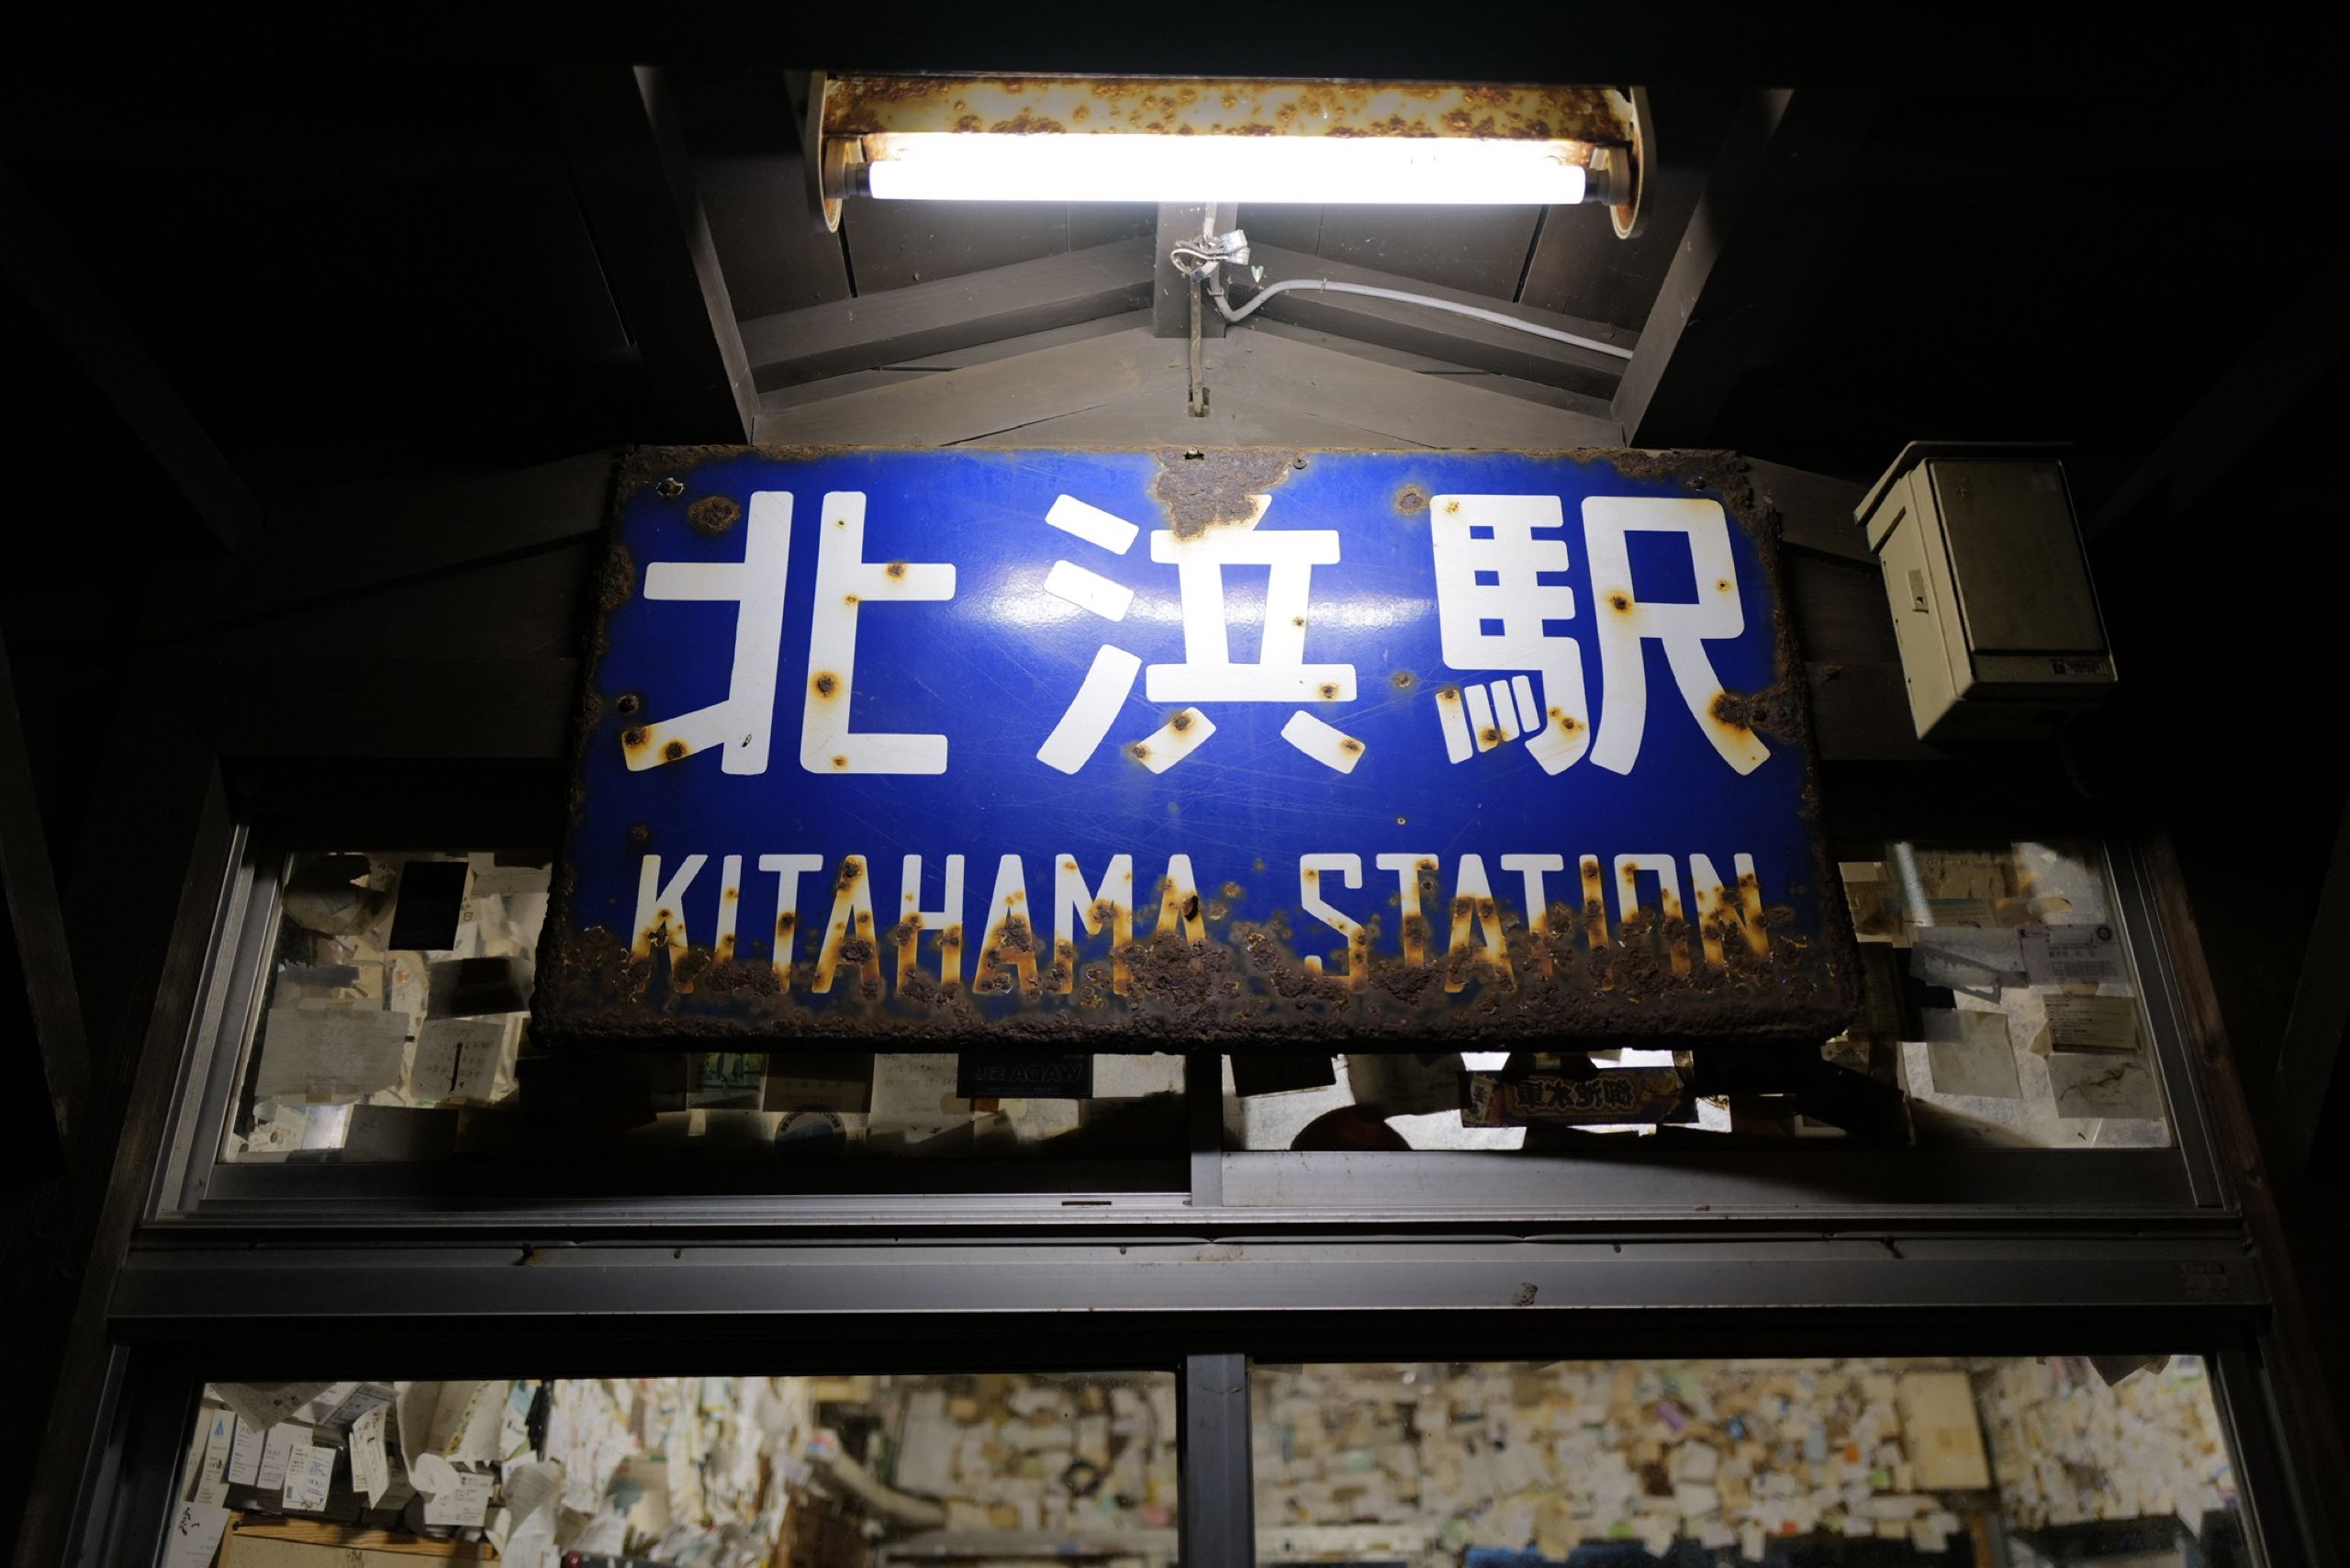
{"points": [[353, 249]]}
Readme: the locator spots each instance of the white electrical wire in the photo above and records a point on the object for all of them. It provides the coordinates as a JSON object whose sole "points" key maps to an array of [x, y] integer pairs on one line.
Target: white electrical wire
{"points": [[1225, 307]]}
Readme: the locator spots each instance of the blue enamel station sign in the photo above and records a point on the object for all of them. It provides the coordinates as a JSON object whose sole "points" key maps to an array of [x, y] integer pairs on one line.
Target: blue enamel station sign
{"points": [[1158, 749]]}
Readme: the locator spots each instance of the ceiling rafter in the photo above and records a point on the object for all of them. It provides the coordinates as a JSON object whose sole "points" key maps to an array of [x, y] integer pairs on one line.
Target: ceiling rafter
{"points": [[635, 182], [845, 336], [1786, 155]]}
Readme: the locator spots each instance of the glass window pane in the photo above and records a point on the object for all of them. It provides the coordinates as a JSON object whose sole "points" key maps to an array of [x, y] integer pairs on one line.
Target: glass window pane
{"points": [[1958, 1461], [714, 1471], [394, 1026], [2000, 1010]]}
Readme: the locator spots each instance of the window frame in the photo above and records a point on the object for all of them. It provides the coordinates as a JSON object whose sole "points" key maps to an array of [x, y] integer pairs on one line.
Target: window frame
{"points": [[192, 1187], [265, 1288], [154, 1392]]}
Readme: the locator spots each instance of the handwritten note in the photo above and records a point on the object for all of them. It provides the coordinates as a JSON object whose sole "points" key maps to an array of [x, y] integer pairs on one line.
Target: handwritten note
{"points": [[457, 1058], [465, 1503], [211, 1479], [275, 1450], [1969, 1053], [194, 1535], [369, 1471], [2103, 1085], [331, 1053], [244, 1455], [264, 1404], [309, 1473], [529, 1487], [2092, 1024], [2055, 955]]}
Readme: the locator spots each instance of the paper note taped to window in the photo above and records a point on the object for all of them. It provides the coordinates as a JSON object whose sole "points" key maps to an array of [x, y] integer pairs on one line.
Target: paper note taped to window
{"points": [[329, 1053], [264, 1404], [457, 1058], [2069, 954], [2090, 1024], [1968, 1054], [2103, 1085]]}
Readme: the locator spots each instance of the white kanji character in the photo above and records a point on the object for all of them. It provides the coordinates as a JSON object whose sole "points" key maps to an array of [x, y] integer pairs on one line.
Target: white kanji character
{"points": [[845, 582], [742, 723], [1494, 612], [1207, 672], [1625, 623], [1112, 677], [1281, 673]]}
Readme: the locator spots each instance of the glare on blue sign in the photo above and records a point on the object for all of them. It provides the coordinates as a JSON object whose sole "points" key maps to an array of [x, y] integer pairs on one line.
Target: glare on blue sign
{"points": [[1160, 749]]}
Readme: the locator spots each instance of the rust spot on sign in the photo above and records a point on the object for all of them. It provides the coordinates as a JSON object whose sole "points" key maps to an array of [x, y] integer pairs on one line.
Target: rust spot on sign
{"points": [[1740, 713], [714, 514], [1217, 489]]}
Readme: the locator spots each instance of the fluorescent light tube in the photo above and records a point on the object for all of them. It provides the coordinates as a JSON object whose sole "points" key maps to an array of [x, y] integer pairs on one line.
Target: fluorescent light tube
{"points": [[1116, 166]]}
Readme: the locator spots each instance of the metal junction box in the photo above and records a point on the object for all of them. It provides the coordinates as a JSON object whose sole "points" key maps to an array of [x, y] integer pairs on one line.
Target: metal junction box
{"points": [[1998, 625]]}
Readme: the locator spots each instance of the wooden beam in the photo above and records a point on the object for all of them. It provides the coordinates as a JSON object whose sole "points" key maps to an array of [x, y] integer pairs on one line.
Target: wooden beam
{"points": [[877, 330], [1859, 712], [1132, 385], [2301, 342], [37, 919], [341, 543], [1815, 511], [39, 261], [1778, 175], [1584, 403], [635, 182], [741, 128], [1579, 267], [2310, 1052], [1004, 348], [1399, 406], [1440, 334], [955, 406]]}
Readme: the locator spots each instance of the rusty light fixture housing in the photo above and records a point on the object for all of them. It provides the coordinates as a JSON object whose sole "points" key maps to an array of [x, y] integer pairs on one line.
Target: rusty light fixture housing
{"points": [[1165, 140]]}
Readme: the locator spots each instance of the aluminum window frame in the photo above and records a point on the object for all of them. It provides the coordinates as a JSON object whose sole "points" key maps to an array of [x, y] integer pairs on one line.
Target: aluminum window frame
{"points": [[1603, 1185], [2033, 1251], [194, 1186]]}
